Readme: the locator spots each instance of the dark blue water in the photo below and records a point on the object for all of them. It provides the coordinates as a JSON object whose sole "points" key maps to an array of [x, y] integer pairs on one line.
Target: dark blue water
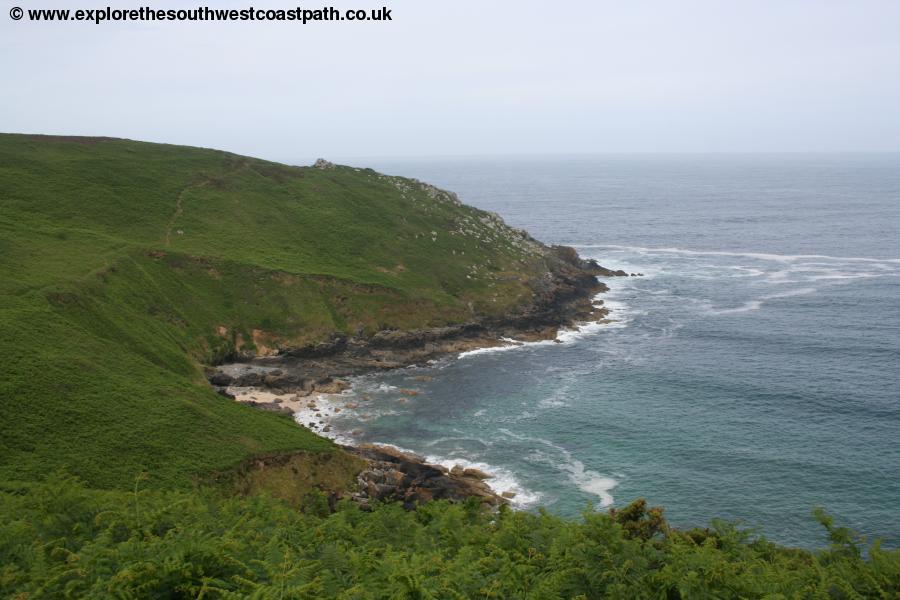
{"points": [[752, 374]]}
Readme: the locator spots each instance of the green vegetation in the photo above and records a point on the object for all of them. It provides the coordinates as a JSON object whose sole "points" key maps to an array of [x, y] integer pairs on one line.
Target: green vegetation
{"points": [[125, 267], [60, 540]]}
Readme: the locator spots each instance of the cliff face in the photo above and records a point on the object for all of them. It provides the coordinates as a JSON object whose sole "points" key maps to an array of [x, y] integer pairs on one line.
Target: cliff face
{"points": [[564, 295]]}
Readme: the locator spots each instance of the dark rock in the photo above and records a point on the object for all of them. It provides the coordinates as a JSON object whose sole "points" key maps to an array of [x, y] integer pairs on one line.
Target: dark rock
{"points": [[270, 406], [288, 382], [332, 346], [221, 379], [400, 476], [249, 379]]}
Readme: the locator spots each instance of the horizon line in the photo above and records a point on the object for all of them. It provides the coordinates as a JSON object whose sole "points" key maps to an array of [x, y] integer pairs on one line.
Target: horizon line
{"points": [[623, 153]]}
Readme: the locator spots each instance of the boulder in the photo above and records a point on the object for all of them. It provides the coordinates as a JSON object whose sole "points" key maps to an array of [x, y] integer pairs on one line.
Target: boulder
{"points": [[396, 475], [476, 473], [221, 379], [331, 386]]}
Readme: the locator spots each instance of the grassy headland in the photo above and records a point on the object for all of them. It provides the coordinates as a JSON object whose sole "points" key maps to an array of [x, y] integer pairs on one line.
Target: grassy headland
{"points": [[126, 266]]}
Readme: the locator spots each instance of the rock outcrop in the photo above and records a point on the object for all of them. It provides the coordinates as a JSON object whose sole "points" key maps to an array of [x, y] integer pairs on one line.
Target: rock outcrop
{"points": [[392, 475], [562, 297]]}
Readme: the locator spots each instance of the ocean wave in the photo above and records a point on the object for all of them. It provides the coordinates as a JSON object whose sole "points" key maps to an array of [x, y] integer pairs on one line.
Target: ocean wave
{"points": [[444, 440], [749, 271], [510, 344], [756, 255], [586, 480], [567, 335], [501, 480], [756, 304]]}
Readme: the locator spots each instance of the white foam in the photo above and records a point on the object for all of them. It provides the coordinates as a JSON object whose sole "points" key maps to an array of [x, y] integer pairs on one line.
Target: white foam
{"points": [[619, 317], [501, 480], [328, 406], [592, 482], [395, 447], [791, 293], [587, 480], [838, 276], [756, 255], [758, 303], [745, 307], [748, 271], [566, 335], [510, 344], [572, 334]]}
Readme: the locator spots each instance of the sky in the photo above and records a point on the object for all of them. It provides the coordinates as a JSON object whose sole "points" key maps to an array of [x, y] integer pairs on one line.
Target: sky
{"points": [[466, 77]]}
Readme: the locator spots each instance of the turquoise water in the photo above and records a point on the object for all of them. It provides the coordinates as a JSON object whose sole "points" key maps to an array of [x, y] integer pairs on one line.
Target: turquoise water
{"points": [[752, 374]]}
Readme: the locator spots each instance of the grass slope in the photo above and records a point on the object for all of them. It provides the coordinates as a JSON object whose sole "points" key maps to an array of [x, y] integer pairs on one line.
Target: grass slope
{"points": [[124, 266]]}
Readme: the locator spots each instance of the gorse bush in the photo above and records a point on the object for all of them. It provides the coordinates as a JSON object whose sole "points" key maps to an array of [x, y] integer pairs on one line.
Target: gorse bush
{"points": [[59, 539]]}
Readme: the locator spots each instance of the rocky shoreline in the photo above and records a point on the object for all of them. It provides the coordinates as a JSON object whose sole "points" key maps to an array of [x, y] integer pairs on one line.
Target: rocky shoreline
{"points": [[397, 476], [289, 381]]}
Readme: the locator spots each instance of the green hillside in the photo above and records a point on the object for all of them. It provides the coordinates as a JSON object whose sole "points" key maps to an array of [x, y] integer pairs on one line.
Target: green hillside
{"points": [[125, 266]]}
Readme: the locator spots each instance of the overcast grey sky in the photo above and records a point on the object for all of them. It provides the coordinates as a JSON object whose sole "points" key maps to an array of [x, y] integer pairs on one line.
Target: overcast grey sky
{"points": [[470, 77]]}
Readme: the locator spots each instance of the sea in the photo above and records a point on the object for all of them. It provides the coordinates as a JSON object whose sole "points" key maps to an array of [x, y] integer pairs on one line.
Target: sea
{"points": [[750, 375]]}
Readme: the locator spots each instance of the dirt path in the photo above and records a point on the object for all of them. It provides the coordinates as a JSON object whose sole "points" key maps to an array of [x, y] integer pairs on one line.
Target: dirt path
{"points": [[179, 208], [179, 202]]}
